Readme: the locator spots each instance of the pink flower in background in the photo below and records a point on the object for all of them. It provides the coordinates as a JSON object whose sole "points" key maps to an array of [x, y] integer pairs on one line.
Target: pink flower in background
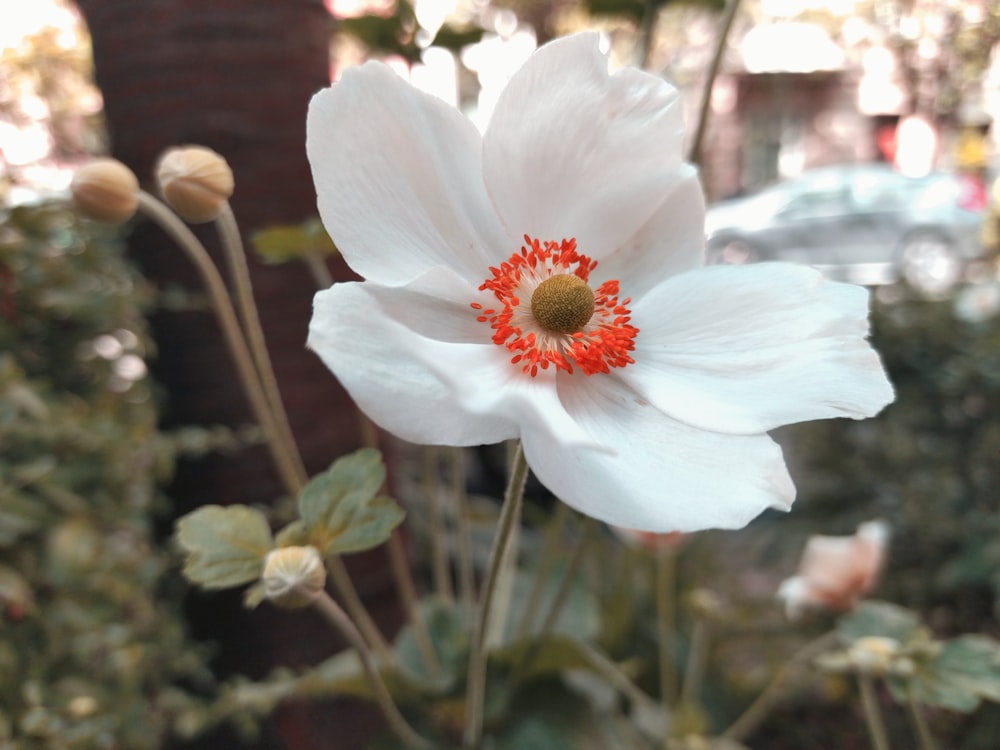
{"points": [[545, 281], [836, 571]]}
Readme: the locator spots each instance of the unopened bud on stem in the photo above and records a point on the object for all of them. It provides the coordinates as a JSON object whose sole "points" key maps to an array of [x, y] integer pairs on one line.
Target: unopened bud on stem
{"points": [[105, 190], [195, 182], [293, 576]]}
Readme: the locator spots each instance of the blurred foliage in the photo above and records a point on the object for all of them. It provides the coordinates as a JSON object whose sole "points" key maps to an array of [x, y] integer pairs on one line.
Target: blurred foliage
{"points": [[92, 646], [50, 109], [396, 33], [287, 242]]}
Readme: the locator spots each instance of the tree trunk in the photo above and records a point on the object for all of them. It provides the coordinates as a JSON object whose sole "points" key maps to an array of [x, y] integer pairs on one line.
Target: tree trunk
{"points": [[236, 76]]}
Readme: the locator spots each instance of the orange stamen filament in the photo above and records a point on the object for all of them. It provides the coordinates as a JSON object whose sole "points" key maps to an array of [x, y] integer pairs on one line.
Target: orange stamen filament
{"points": [[548, 315]]}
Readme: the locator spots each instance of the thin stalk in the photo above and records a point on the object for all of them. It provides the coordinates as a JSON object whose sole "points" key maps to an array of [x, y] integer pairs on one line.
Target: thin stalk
{"points": [[647, 31], [232, 334], [476, 684], [317, 269], [873, 714], [666, 621], [463, 532], [408, 597], [438, 537], [239, 274], [283, 453], [550, 547], [569, 578], [694, 669], [751, 718], [695, 156], [920, 723], [339, 619]]}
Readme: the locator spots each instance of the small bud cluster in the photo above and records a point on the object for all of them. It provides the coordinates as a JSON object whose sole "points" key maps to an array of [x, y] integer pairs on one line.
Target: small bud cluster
{"points": [[293, 576]]}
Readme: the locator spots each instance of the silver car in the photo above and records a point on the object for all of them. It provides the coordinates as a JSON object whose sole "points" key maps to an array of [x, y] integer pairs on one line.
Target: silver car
{"points": [[862, 222]]}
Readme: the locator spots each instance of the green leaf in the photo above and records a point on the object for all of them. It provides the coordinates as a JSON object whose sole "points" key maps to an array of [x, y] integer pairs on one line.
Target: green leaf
{"points": [[963, 673], [280, 244], [448, 629], [225, 547], [873, 618], [339, 509]]}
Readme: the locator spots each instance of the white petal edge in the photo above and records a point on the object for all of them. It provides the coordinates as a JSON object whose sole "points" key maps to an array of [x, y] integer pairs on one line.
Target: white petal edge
{"points": [[671, 242], [572, 151], [747, 349], [417, 362], [662, 475], [398, 179]]}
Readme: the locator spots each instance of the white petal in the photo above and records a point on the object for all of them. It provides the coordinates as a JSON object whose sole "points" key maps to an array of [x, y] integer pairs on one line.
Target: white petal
{"points": [[672, 241], [746, 349], [572, 151], [398, 179], [417, 361], [663, 475]]}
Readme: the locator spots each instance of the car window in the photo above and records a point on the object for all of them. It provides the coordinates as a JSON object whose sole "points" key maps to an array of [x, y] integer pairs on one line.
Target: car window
{"points": [[882, 192], [818, 203]]}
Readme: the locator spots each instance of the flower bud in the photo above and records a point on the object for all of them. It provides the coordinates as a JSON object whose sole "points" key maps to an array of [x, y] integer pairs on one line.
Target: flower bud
{"points": [[873, 655], [293, 576], [105, 190], [195, 181]]}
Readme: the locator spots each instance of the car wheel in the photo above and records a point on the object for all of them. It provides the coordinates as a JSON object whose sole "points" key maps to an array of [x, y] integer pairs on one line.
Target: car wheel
{"points": [[929, 263]]}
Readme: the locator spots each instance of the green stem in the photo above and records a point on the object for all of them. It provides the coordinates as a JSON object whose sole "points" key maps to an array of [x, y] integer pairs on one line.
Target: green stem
{"points": [[920, 722], [408, 597], [463, 533], [339, 619], [476, 684], [751, 718], [873, 715], [550, 551], [666, 619], [318, 269], [694, 669], [569, 578], [439, 532], [239, 274], [713, 72], [232, 334]]}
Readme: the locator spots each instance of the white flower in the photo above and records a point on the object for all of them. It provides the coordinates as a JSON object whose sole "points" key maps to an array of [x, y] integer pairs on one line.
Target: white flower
{"points": [[836, 571], [643, 388]]}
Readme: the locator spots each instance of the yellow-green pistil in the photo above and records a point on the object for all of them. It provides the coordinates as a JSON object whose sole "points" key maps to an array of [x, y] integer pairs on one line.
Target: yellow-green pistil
{"points": [[562, 303]]}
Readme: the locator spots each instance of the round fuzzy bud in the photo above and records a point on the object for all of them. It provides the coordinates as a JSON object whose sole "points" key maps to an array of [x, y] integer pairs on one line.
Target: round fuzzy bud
{"points": [[195, 181], [873, 654], [293, 576], [105, 190]]}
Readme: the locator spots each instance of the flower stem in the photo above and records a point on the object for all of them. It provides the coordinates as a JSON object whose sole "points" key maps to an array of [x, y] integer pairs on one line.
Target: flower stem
{"points": [[695, 155], [439, 533], [750, 719], [920, 722], [550, 548], [666, 619], [694, 669], [283, 452], [873, 715], [463, 534], [569, 578], [476, 683], [339, 619], [239, 274], [232, 334], [408, 597]]}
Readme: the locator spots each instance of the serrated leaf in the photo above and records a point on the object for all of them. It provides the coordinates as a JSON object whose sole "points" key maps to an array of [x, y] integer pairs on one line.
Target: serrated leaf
{"points": [[339, 509], [873, 618], [961, 675], [225, 546]]}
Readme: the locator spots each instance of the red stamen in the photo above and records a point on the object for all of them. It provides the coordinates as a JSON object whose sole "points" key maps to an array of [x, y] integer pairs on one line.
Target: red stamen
{"points": [[603, 343]]}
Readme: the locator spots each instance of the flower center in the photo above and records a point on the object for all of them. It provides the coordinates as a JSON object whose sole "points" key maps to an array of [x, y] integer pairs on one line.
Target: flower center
{"points": [[562, 303], [565, 322]]}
